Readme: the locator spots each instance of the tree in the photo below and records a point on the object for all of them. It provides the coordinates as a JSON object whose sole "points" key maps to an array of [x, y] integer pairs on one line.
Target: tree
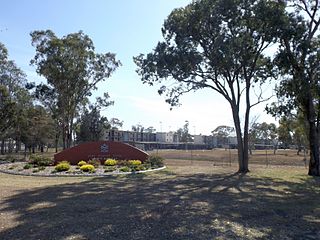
{"points": [[183, 133], [7, 113], [92, 125], [298, 60], [218, 45], [222, 133], [292, 130], [14, 100], [115, 123], [265, 133], [73, 70]]}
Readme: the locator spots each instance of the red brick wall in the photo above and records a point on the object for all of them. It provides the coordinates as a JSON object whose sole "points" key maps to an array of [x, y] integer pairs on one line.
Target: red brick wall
{"points": [[101, 150]]}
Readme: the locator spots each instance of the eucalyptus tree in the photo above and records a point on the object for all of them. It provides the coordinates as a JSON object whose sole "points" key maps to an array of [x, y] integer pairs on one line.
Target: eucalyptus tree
{"points": [[73, 70], [218, 45], [298, 60], [14, 98]]}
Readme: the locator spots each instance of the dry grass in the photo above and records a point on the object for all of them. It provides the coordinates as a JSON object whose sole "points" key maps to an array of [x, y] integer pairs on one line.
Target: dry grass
{"points": [[221, 156], [198, 201]]}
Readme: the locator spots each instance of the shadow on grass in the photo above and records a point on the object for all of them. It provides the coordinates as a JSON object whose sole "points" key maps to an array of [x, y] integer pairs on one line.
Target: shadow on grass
{"points": [[168, 206]]}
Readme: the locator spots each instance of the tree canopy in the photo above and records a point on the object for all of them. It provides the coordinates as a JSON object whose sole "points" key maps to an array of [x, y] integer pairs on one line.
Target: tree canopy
{"points": [[73, 70], [217, 45]]}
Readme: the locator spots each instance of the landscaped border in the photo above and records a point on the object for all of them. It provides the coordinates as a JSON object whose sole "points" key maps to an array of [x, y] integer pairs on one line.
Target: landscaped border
{"points": [[64, 174]]}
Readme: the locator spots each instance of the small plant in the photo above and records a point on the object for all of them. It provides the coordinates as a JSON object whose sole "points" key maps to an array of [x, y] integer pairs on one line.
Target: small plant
{"points": [[35, 170], [38, 160], [41, 168], [110, 162], [27, 166], [125, 169], [88, 168], [62, 166], [134, 162], [12, 167], [110, 168], [81, 163], [95, 162], [155, 161]]}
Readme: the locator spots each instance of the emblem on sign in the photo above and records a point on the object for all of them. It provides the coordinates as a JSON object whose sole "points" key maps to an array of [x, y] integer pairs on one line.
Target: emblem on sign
{"points": [[104, 148]]}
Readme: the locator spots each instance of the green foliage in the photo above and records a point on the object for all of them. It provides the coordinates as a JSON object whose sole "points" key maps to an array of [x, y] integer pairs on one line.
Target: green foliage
{"points": [[42, 168], [88, 168], [139, 167], [134, 162], [125, 169], [39, 160], [81, 163], [110, 162], [95, 162], [110, 168], [91, 125], [27, 166], [62, 166], [218, 45], [70, 63], [155, 161]]}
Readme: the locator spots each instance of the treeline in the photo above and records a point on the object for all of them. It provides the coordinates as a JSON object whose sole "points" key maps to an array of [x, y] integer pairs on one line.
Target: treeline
{"points": [[59, 111]]}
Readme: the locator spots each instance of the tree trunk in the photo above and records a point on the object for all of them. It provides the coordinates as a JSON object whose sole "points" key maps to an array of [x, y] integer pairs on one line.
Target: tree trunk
{"points": [[314, 167], [242, 147], [2, 147]]}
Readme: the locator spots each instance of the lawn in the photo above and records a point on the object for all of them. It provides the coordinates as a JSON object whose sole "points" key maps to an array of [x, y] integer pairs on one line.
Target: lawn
{"points": [[198, 201]]}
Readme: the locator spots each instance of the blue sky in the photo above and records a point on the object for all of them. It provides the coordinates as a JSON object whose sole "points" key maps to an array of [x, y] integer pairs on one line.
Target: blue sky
{"points": [[124, 27]]}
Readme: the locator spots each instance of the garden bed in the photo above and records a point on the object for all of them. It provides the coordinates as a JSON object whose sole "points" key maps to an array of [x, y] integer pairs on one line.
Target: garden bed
{"points": [[39, 166]]}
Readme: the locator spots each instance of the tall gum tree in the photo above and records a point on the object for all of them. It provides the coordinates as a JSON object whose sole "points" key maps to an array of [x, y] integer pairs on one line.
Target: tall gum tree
{"points": [[219, 45], [298, 60], [73, 70]]}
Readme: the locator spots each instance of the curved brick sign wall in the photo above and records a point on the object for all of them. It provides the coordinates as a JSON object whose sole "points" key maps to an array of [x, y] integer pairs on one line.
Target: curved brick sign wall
{"points": [[100, 150]]}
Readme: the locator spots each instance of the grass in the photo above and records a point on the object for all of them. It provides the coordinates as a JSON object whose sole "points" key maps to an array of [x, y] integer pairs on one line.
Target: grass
{"points": [[198, 201]]}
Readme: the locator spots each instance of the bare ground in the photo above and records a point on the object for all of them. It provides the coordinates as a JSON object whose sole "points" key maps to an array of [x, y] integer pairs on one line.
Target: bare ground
{"points": [[198, 201]]}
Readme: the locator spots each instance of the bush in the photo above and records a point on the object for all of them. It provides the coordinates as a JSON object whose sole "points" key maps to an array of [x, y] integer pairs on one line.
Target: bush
{"points": [[110, 169], [110, 162], [38, 160], [95, 162], [155, 161], [62, 166], [41, 168], [125, 169], [139, 168], [27, 166], [134, 162], [88, 168], [81, 163]]}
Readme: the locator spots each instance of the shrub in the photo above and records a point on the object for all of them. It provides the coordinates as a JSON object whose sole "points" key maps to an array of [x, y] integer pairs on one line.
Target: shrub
{"points": [[39, 160], [155, 161], [94, 162], [110, 162], [125, 169], [139, 168], [27, 166], [134, 162], [41, 168], [109, 169], [62, 166], [88, 168], [81, 163]]}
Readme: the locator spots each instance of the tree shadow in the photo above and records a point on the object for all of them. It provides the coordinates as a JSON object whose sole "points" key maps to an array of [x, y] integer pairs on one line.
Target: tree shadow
{"points": [[168, 206]]}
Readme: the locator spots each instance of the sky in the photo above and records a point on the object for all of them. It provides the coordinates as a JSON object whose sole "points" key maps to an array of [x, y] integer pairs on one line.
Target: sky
{"points": [[127, 28]]}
